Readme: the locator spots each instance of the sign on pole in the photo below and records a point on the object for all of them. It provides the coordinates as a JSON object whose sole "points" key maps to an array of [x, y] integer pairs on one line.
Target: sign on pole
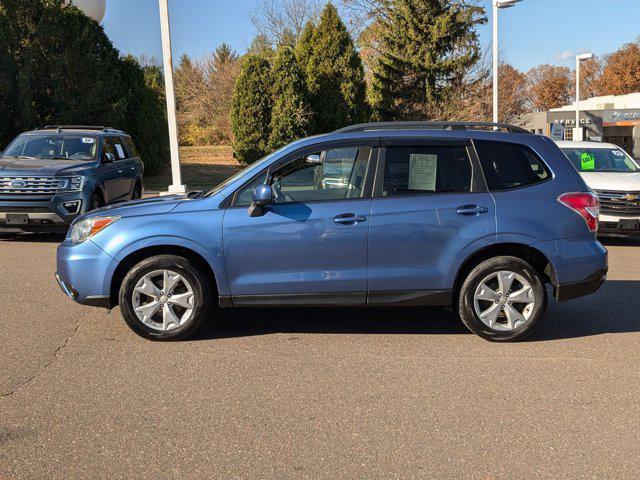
{"points": [[557, 131]]}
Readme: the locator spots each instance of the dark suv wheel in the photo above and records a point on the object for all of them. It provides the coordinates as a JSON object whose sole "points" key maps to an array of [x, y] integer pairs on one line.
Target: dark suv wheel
{"points": [[95, 201], [502, 299], [165, 297]]}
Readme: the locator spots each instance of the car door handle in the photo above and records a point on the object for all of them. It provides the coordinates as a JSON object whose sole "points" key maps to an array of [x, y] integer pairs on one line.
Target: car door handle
{"points": [[471, 210], [348, 218]]}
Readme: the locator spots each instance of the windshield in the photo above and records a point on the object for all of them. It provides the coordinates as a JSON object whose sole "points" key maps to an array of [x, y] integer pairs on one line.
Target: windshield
{"points": [[253, 166], [54, 147], [601, 160]]}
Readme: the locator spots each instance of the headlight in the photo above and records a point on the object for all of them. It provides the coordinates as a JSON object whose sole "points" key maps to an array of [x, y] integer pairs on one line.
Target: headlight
{"points": [[88, 227], [71, 184]]}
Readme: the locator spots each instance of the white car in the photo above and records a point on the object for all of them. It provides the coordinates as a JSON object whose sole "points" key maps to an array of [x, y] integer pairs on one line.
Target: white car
{"points": [[615, 177]]}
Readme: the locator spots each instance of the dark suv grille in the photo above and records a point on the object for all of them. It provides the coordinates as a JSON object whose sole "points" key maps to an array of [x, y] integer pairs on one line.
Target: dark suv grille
{"points": [[32, 185], [619, 203]]}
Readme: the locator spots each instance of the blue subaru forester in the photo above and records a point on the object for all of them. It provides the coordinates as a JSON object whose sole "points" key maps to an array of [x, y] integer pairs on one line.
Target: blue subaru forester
{"points": [[51, 175], [477, 217]]}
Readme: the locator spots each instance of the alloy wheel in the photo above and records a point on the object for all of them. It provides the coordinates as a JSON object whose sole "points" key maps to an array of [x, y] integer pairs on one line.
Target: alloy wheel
{"points": [[504, 300], [163, 300]]}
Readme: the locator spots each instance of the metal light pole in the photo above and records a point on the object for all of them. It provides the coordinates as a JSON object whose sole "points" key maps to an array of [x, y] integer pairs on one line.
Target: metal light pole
{"points": [[579, 58], [496, 5], [176, 186]]}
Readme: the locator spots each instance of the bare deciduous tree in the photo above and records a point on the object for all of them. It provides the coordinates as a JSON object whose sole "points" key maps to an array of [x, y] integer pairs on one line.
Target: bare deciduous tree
{"points": [[281, 21], [204, 91]]}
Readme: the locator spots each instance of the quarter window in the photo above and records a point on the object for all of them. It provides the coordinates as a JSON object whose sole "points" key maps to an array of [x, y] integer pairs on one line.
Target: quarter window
{"points": [[426, 169], [509, 165], [339, 174]]}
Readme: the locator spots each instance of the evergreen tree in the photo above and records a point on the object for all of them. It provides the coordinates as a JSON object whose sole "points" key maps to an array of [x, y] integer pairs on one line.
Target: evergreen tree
{"points": [[251, 110], [334, 72], [59, 67], [304, 46], [290, 115], [424, 46]]}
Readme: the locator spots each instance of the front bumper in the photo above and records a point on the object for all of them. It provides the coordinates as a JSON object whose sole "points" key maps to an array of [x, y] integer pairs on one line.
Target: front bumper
{"points": [[83, 273], [38, 213], [616, 225]]}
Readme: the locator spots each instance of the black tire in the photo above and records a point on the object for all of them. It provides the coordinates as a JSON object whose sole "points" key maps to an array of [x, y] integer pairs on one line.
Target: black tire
{"points": [[202, 296], [95, 201], [466, 308], [137, 191]]}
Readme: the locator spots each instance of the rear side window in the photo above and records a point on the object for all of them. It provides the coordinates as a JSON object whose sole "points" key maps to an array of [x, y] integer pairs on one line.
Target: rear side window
{"points": [[426, 169], [133, 152], [509, 165]]}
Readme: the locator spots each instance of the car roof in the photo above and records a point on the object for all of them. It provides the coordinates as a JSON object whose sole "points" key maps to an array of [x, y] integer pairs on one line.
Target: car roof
{"points": [[424, 133], [566, 144], [78, 129]]}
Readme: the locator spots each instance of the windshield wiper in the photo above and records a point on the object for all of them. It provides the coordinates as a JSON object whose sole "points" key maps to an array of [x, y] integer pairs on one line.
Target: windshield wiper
{"points": [[26, 157]]}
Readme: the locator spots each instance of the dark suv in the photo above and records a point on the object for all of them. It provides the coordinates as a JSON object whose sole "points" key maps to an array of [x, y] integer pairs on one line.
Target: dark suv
{"points": [[51, 175]]}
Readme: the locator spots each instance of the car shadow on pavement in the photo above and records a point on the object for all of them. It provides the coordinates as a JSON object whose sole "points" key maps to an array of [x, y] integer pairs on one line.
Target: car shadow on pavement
{"points": [[32, 237], [615, 308], [242, 322]]}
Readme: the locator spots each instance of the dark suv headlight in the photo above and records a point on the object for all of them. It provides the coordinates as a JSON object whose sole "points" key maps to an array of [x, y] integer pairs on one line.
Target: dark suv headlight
{"points": [[71, 184]]}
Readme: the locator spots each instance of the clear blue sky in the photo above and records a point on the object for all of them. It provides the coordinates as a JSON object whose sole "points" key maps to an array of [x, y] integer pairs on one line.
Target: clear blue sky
{"points": [[532, 33]]}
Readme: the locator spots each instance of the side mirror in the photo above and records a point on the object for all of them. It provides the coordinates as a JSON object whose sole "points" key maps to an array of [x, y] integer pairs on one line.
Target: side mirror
{"points": [[314, 159], [262, 196], [109, 158]]}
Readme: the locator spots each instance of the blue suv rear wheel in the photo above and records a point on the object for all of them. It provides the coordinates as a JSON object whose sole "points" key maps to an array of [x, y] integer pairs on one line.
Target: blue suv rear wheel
{"points": [[502, 299]]}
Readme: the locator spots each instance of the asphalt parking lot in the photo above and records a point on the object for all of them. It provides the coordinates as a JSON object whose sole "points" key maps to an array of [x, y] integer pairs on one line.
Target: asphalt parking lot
{"points": [[343, 393]]}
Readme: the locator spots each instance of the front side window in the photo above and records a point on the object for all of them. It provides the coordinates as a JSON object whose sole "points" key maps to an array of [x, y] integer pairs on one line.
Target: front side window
{"points": [[510, 165], [333, 174], [611, 159], [54, 147], [426, 169]]}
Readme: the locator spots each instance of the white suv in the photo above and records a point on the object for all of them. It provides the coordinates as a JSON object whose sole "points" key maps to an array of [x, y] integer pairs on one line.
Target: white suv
{"points": [[615, 177]]}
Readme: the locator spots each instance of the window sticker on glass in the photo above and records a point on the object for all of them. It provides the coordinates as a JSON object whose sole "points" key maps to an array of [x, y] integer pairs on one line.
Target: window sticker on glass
{"points": [[88, 140], [422, 172], [587, 161], [120, 151], [618, 153]]}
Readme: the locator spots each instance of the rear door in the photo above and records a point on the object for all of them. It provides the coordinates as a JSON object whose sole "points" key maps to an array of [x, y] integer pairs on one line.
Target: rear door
{"points": [[124, 168], [430, 206]]}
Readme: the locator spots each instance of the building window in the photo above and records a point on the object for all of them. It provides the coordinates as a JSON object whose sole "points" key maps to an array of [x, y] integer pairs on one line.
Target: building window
{"points": [[568, 134]]}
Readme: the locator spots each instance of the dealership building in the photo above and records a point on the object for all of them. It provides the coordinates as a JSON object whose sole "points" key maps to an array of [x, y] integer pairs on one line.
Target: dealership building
{"points": [[611, 119]]}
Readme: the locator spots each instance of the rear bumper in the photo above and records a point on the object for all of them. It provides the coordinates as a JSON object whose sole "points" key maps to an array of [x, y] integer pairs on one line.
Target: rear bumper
{"points": [[589, 285]]}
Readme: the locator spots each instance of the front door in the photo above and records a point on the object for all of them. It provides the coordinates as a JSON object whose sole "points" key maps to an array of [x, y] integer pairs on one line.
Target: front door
{"points": [[427, 209], [108, 172], [310, 246]]}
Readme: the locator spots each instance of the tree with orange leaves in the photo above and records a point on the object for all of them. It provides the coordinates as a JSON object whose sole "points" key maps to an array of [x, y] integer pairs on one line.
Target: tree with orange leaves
{"points": [[621, 72]]}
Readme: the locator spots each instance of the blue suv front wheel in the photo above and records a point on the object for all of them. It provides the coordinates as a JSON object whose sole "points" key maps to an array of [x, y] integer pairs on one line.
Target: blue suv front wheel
{"points": [[165, 297]]}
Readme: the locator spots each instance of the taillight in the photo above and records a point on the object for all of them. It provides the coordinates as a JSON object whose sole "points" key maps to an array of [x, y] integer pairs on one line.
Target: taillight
{"points": [[586, 204]]}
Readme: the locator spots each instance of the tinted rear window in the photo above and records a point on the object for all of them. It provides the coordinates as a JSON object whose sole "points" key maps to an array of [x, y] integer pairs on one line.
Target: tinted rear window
{"points": [[509, 165]]}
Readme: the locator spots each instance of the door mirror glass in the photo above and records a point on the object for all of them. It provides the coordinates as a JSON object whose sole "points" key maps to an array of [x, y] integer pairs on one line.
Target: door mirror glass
{"points": [[109, 157], [262, 195]]}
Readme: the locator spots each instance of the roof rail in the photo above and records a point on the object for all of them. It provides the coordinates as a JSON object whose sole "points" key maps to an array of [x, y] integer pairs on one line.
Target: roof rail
{"points": [[369, 127], [79, 127]]}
